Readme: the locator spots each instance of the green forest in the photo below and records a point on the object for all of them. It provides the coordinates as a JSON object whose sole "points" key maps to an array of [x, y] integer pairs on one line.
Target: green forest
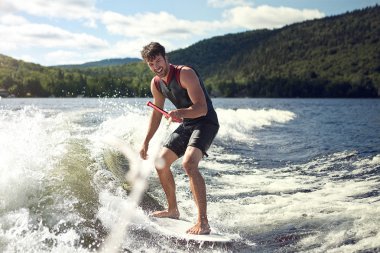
{"points": [[337, 56]]}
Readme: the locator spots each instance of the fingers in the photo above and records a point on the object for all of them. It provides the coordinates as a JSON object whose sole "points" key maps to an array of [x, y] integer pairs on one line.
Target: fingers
{"points": [[169, 119], [143, 155], [175, 116]]}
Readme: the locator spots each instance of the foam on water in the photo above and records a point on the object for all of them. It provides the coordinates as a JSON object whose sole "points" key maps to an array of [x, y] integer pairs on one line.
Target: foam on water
{"points": [[239, 124], [58, 194], [303, 198], [32, 141], [29, 144], [19, 235]]}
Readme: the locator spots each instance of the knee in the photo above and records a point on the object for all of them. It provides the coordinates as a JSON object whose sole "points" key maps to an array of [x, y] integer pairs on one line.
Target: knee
{"points": [[161, 164], [190, 167]]}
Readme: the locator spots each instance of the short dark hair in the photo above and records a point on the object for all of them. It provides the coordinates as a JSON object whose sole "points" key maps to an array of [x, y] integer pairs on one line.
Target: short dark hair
{"points": [[153, 49]]}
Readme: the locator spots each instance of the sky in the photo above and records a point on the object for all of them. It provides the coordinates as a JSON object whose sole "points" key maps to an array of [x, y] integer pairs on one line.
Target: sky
{"points": [[78, 31]]}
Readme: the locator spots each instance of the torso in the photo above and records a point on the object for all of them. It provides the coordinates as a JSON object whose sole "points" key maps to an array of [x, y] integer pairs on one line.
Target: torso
{"points": [[178, 95]]}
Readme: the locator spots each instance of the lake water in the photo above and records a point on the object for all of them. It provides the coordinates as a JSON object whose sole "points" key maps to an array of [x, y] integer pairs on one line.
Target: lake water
{"points": [[283, 175]]}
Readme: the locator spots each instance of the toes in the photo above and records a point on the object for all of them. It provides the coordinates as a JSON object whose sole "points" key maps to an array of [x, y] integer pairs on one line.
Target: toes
{"points": [[197, 230], [191, 231]]}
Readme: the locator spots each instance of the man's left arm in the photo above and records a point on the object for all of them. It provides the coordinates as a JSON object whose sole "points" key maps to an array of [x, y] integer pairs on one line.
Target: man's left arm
{"points": [[190, 81]]}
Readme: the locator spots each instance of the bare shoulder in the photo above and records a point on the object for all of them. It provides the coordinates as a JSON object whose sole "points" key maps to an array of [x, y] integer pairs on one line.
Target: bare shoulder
{"points": [[152, 84], [153, 88], [187, 71], [188, 76]]}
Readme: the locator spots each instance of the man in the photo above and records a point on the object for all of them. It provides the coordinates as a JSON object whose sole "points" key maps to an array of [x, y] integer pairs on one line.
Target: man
{"points": [[183, 87]]}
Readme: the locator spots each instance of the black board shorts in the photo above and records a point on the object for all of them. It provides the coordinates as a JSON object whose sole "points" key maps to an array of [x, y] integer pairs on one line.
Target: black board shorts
{"points": [[198, 135]]}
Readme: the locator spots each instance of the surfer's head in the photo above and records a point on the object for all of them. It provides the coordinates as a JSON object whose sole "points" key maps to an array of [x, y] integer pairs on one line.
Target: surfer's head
{"points": [[154, 55], [152, 50]]}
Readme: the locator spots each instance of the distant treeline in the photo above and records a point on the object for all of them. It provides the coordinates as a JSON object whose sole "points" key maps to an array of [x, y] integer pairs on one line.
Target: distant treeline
{"points": [[337, 56], [295, 88], [27, 79]]}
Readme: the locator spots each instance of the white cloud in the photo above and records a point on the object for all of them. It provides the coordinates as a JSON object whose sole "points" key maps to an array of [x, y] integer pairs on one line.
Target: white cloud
{"points": [[160, 24], [227, 3], [22, 34], [10, 19], [27, 58], [265, 16], [167, 26], [62, 57], [19, 34], [121, 49], [66, 9]]}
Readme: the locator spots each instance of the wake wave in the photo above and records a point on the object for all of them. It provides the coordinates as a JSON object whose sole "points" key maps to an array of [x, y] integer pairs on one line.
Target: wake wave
{"points": [[41, 200], [239, 124], [30, 144]]}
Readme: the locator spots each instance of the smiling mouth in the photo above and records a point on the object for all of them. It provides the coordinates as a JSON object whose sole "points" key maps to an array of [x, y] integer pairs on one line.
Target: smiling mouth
{"points": [[159, 71]]}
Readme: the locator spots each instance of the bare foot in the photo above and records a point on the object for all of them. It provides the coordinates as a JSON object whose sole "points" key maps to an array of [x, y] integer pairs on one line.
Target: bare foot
{"points": [[166, 214], [201, 228]]}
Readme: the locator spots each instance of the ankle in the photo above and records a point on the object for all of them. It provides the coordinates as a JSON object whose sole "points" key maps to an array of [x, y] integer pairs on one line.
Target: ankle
{"points": [[203, 219], [174, 212]]}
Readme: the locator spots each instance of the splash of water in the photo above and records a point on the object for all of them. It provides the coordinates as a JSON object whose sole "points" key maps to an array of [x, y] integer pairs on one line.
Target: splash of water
{"points": [[139, 171]]}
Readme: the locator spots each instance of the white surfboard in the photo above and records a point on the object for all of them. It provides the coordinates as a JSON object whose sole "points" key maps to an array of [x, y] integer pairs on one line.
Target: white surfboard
{"points": [[177, 228]]}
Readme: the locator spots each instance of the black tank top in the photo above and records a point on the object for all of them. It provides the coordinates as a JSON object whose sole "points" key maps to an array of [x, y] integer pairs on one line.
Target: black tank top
{"points": [[180, 98]]}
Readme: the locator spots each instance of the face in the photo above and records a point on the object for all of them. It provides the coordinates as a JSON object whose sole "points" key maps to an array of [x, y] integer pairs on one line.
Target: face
{"points": [[159, 66]]}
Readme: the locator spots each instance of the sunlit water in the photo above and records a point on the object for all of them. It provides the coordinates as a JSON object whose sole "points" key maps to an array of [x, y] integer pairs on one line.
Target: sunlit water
{"points": [[282, 176]]}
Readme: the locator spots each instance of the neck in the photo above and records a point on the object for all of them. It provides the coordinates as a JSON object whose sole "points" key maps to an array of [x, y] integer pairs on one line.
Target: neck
{"points": [[166, 78]]}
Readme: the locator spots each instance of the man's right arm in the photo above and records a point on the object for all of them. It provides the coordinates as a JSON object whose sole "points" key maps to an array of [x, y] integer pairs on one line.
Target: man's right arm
{"points": [[155, 119]]}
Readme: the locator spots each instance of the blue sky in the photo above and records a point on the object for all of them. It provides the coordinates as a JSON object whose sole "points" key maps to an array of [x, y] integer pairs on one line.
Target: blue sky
{"points": [[78, 31]]}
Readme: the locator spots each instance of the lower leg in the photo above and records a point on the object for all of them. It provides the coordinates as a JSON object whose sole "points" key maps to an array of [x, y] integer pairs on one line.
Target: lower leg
{"points": [[167, 157], [168, 185], [198, 188]]}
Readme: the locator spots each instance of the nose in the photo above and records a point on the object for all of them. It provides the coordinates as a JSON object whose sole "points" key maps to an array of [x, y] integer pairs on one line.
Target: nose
{"points": [[156, 66]]}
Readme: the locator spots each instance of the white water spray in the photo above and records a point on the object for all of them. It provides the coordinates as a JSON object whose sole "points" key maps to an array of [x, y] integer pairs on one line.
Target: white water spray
{"points": [[137, 176]]}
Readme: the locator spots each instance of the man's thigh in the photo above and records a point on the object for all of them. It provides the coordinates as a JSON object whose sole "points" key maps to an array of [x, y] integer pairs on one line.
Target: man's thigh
{"points": [[192, 155]]}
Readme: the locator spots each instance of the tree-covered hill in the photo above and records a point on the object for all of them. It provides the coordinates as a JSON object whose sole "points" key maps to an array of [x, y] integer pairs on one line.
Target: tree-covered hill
{"points": [[23, 79], [336, 56], [20, 78], [101, 63]]}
